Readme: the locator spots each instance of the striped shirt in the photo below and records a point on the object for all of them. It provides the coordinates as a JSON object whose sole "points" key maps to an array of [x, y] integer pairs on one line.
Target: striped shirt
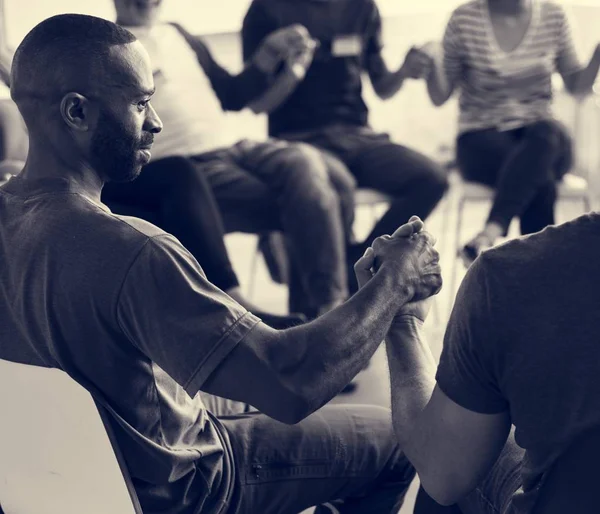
{"points": [[506, 90]]}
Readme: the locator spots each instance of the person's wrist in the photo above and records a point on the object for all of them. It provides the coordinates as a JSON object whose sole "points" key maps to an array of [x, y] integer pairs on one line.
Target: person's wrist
{"points": [[406, 318], [297, 70], [266, 59], [399, 289]]}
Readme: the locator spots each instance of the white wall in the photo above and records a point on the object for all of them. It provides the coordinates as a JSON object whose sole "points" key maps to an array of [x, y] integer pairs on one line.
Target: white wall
{"points": [[200, 16]]}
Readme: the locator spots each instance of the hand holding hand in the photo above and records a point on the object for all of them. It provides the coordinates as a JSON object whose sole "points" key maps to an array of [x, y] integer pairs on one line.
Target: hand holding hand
{"points": [[417, 64], [412, 261], [289, 42]]}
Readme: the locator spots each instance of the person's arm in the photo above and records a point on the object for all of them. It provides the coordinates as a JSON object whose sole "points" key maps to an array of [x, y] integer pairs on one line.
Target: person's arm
{"points": [[314, 362], [582, 81], [234, 91], [447, 65], [578, 79], [257, 25], [205, 341], [452, 442]]}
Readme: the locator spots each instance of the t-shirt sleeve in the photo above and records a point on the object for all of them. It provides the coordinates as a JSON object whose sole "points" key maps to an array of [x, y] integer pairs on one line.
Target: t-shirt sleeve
{"points": [[454, 55], [466, 372], [176, 317], [567, 58], [257, 25]]}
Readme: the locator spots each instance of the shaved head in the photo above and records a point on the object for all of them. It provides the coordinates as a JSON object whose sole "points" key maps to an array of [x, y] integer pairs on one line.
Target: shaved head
{"points": [[70, 52], [83, 86]]}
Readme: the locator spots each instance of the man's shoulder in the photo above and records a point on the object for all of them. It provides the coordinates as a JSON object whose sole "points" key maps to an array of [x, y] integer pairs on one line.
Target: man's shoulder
{"points": [[551, 248]]}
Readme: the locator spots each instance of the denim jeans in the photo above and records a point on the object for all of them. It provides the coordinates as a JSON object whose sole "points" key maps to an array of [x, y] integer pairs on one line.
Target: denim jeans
{"points": [[342, 455], [277, 185], [493, 495]]}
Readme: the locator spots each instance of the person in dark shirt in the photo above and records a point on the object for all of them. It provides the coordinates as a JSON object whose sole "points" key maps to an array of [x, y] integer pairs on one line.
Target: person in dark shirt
{"points": [[125, 310], [322, 104]]}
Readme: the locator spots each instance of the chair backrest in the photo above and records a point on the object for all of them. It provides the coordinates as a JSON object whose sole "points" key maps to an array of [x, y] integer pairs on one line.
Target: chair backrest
{"points": [[56, 456], [572, 485]]}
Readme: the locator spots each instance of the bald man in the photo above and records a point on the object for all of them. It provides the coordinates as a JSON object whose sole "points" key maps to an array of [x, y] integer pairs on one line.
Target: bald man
{"points": [[125, 310]]}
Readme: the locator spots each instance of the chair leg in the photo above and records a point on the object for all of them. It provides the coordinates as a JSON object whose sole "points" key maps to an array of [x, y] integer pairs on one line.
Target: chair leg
{"points": [[254, 270]]}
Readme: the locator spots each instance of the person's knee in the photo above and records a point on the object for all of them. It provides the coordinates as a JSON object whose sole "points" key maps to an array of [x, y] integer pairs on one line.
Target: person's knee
{"points": [[433, 181], [307, 180], [183, 175]]}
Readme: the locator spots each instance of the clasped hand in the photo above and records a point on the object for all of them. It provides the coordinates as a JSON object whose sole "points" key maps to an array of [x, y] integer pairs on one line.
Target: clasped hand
{"points": [[409, 256], [292, 44]]}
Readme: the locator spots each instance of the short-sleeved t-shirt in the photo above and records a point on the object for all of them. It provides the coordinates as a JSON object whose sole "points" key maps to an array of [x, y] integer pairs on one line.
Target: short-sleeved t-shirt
{"points": [[524, 336], [127, 312], [349, 31], [506, 90]]}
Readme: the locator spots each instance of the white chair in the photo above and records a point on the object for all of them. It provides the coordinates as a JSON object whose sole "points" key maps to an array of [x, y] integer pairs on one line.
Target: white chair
{"points": [[56, 455]]}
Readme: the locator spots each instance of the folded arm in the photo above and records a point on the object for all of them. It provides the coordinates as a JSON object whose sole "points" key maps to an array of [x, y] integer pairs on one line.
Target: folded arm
{"points": [[580, 82]]}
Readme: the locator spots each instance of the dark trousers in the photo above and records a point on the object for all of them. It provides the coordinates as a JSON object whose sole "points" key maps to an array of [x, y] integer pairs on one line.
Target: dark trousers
{"points": [[278, 185], [415, 182], [523, 165], [175, 196]]}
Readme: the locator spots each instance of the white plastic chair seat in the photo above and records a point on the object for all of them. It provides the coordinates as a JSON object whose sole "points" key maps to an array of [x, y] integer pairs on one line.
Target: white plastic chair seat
{"points": [[55, 454]]}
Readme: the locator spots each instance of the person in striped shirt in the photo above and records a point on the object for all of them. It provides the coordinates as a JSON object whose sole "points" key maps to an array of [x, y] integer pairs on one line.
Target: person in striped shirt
{"points": [[501, 55]]}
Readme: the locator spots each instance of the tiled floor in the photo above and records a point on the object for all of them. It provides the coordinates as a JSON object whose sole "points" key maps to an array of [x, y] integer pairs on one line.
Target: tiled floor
{"points": [[373, 383]]}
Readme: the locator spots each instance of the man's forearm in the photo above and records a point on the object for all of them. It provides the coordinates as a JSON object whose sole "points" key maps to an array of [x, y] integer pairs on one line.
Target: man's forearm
{"points": [[332, 350], [412, 375], [390, 83], [283, 86]]}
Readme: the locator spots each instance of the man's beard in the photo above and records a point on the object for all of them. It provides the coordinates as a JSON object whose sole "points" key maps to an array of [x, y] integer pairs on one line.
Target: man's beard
{"points": [[114, 149]]}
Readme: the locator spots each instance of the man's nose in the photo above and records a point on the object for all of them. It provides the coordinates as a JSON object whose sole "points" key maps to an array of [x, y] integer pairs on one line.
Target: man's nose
{"points": [[152, 123]]}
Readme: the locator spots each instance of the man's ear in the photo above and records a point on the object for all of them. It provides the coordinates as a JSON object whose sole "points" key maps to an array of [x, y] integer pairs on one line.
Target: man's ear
{"points": [[76, 111]]}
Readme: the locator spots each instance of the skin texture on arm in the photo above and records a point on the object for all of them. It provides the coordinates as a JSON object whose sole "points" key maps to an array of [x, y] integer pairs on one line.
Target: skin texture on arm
{"points": [[290, 374], [451, 447]]}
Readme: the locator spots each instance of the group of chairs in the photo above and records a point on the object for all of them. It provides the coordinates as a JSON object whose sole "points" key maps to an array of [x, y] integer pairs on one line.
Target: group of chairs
{"points": [[58, 453]]}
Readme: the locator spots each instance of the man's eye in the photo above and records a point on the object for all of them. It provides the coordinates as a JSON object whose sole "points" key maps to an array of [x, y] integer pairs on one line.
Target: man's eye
{"points": [[143, 104]]}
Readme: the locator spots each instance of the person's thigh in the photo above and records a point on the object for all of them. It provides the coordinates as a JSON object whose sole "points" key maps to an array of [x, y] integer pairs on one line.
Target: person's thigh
{"points": [[481, 154], [247, 204], [346, 452], [381, 164]]}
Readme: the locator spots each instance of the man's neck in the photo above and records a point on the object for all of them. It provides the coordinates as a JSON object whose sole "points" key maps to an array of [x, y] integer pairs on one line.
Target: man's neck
{"points": [[42, 164]]}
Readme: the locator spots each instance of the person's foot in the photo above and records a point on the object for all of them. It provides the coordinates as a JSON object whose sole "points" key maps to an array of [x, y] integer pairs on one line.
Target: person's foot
{"points": [[475, 248]]}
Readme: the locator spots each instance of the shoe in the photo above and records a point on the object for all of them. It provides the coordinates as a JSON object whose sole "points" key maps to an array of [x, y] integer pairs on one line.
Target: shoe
{"points": [[475, 248], [281, 322]]}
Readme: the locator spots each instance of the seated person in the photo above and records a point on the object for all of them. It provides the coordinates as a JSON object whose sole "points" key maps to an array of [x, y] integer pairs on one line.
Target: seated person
{"points": [[508, 138], [321, 102], [126, 311], [259, 186], [181, 202], [521, 348]]}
